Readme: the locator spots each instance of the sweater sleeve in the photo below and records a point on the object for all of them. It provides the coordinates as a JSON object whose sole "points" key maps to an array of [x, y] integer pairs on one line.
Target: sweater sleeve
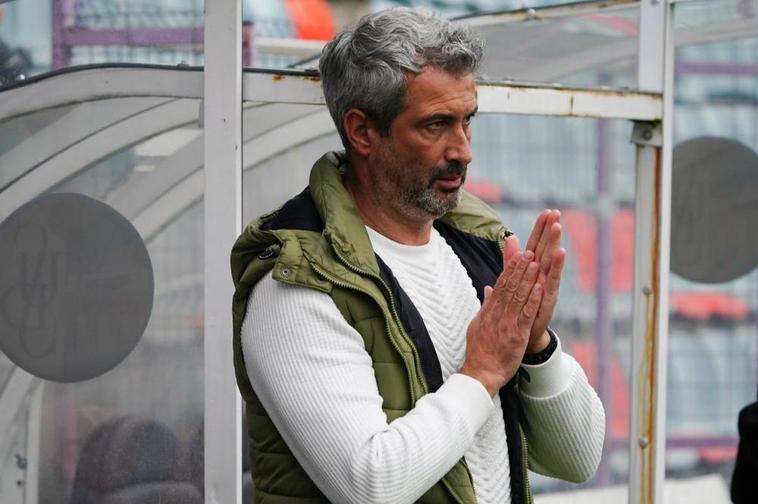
{"points": [[311, 372], [564, 420]]}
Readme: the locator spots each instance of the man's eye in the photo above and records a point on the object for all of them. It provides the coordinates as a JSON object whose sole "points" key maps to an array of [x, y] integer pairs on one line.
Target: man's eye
{"points": [[467, 121], [436, 125]]}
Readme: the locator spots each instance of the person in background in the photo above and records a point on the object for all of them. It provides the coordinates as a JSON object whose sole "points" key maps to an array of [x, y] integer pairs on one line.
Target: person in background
{"points": [[744, 487], [392, 339]]}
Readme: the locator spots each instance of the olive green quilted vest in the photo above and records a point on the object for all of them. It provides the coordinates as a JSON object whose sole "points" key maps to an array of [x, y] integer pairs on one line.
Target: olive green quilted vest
{"points": [[335, 256]]}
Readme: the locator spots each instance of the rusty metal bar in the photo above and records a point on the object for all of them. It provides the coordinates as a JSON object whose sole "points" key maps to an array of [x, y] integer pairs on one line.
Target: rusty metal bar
{"points": [[651, 260], [113, 81], [511, 98]]}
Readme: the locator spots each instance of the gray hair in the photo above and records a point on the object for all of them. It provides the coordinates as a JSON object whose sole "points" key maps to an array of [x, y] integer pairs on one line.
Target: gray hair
{"points": [[366, 68]]}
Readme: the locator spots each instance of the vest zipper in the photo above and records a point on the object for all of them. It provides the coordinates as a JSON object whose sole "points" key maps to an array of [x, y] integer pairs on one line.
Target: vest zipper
{"points": [[346, 285], [525, 467], [524, 450]]}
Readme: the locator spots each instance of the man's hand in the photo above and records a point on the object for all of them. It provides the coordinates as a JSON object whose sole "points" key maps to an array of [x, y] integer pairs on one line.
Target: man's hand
{"points": [[498, 336], [545, 243]]}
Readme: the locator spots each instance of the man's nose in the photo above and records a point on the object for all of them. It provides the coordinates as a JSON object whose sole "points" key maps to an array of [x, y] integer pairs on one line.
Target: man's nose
{"points": [[459, 146]]}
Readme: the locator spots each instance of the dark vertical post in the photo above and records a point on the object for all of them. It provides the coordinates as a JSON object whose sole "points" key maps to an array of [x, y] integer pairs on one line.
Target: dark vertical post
{"points": [[603, 286], [61, 50]]}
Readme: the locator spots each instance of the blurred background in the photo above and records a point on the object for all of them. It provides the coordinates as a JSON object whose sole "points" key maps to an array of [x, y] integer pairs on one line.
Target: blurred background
{"points": [[138, 427]]}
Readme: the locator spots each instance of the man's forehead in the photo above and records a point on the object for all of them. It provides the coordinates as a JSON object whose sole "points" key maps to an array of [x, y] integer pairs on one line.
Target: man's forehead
{"points": [[434, 86]]}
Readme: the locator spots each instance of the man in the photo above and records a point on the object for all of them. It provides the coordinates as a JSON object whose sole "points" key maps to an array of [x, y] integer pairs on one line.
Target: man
{"points": [[391, 337]]}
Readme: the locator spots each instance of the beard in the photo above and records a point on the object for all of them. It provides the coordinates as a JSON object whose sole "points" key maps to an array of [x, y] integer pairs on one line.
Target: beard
{"points": [[437, 202], [411, 188]]}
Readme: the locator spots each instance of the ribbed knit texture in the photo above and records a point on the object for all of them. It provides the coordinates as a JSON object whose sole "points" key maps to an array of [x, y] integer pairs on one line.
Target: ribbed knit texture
{"points": [[312, 374]]}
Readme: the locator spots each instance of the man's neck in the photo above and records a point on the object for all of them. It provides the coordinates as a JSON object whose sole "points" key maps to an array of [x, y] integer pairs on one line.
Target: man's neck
{"points": [[395, 224]]}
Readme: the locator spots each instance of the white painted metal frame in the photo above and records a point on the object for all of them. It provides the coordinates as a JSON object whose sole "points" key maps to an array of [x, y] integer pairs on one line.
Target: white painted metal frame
{"points": [[651, 260], [99, 82], [222, 116], [493, 97]]}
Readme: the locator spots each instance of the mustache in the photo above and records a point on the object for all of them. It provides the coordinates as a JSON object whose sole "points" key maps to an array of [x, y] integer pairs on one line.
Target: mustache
{"points": [[451, 169]]}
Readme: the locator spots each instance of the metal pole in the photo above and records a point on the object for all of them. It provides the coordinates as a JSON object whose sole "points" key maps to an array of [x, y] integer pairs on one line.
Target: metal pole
{"points": [[222, 115], [651, 260]]}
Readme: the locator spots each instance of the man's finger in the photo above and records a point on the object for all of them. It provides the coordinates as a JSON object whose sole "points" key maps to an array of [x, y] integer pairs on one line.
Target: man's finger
{"points": [[544, 239], [553, 279], [517, 271], [510, 248], [531, 307], [508, 270], [521, 292], [539, 226], [554, 243]]}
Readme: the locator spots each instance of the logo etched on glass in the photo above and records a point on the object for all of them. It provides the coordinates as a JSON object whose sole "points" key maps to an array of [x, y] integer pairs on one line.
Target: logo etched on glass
{"points": [[76, 287]]}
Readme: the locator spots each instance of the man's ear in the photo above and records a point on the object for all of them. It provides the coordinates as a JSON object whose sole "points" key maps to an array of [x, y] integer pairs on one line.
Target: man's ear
{"points": [[361, 131]]}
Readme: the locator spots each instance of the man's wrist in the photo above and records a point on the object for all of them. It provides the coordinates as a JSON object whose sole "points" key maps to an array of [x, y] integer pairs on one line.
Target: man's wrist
{"points": [[539, 344], [542, 350], [491, 381]]}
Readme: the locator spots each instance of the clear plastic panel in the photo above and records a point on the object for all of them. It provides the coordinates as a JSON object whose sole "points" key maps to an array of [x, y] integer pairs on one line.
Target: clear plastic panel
{"points": [[281, 143], [713, 349], [15, 131], [582, 167], [715, 14], [135, 429], [579, 47]]}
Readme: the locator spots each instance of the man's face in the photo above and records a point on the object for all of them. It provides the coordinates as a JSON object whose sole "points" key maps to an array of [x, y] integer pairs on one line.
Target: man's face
{"points": [[420, 168]]}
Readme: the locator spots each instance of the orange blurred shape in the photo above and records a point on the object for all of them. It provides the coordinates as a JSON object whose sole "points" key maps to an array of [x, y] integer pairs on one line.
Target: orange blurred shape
{"points": [[485, 191], [717, 454], [581, 230], [704, 305], [312, 19]]}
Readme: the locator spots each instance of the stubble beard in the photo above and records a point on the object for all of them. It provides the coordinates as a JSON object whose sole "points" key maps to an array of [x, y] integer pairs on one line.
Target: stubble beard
{"points": [[417, 198], [434, 202]]}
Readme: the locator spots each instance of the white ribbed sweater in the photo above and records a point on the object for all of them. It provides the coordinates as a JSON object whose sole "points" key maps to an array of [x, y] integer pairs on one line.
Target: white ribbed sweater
{"points": [[315, 379]]}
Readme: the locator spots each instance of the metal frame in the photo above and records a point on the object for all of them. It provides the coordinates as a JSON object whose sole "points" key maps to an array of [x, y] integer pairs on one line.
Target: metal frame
{"points": [[222, 121], [99, 82], [652, 212]]}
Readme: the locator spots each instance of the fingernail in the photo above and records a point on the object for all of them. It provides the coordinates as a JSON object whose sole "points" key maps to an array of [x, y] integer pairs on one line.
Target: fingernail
{"points": [[532, 266], [528, 255]]}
